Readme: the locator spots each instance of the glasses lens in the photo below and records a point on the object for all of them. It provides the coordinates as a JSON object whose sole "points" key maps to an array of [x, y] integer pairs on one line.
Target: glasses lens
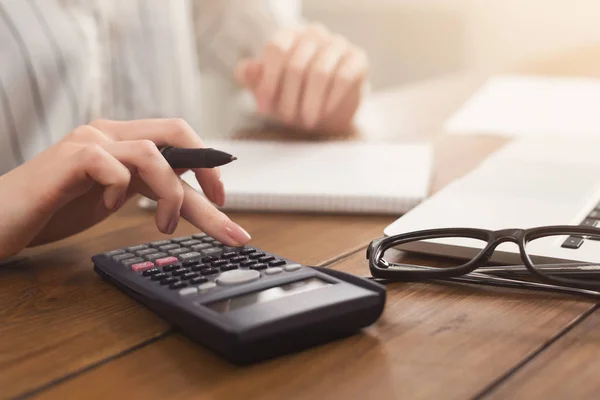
{"points": [[436, 253], [569, 255]]}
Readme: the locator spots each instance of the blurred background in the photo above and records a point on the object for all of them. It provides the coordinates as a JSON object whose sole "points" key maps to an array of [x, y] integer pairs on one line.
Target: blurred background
{"points": [[416, 42], [410, 40]]}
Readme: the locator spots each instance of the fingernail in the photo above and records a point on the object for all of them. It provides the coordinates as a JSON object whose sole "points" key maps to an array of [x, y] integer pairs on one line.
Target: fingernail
{"points": [[120, 201], [310, 122], [236, 233], [173, 224], [263, 106]]}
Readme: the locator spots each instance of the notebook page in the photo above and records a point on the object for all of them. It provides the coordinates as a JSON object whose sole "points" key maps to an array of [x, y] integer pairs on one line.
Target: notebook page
{"points": [[341, 176]]}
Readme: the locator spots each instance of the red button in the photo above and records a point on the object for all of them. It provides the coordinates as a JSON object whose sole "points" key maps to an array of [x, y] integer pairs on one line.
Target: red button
{"points": [[165, 261], [142, 266]]}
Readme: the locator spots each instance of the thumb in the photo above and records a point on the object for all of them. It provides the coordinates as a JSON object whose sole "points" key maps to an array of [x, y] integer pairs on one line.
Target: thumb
{"points": [[249, 73]]}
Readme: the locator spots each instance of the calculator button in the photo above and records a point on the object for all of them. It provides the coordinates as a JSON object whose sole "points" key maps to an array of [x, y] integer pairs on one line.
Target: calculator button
{"points": [[188, 291], [181, 239], [228, 267], [150, 272], [201, 246], [213, 251], [176, 252], [133, 249], [190, 263], [207, 239], [189, 243], [258, 267], [292, 267], [237, 277], [248, 263], [145, 252], [199, 235], [247, 250], [216, 243], [209, 271], [139, 267], [159, 276], [273, 271], [208, 259], [266, 258], [123, 256], [189, 275], [179, 272], [159, 243], [228, 249], [238, 259], [166, 261], [114, 252], [171, 267], [197, 280], [189, 256], [207, 286], [229, 254], [276, 263], [178, 285], [218, 263], [130, 261], [199, 267], [168, 280], [169, 246], [155, 256], [257, 255]]}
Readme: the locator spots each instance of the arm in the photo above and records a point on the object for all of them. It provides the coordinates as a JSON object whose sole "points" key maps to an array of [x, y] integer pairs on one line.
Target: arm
{"points": [[298, 75]]}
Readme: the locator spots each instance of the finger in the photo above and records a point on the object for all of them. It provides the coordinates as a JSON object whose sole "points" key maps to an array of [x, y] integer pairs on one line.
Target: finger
{"points": [[295, 74], [86, 134], [319, 81], [144, 157], [206, 217], [249, 73], [274, 58], [168, 132], [92, 161], [349, 75]]}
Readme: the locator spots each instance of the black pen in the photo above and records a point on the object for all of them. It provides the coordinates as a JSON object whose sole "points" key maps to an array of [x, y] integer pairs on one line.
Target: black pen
{"points": [[195, 157]]}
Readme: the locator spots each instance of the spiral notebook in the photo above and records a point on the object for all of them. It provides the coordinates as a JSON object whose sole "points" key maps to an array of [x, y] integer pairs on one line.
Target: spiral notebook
{"points": [[338, 176]]}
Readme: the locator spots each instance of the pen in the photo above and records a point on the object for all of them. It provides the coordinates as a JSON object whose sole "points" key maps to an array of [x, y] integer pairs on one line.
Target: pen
{"points": [[195, 157]]}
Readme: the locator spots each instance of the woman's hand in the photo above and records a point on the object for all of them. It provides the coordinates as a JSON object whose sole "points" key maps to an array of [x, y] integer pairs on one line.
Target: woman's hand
{"points": [[94, 170], [307, 78]]}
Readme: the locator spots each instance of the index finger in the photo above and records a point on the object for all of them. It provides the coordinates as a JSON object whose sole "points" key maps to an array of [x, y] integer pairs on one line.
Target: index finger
{"points": [[168, 132]]}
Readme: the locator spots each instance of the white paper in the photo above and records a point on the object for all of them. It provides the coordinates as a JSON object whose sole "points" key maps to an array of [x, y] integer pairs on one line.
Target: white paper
{"points": [[531, 106], [343, 176]]}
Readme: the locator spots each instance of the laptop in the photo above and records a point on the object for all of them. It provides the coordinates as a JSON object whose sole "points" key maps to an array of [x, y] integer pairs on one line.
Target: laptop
{"points": [[529, 182]]}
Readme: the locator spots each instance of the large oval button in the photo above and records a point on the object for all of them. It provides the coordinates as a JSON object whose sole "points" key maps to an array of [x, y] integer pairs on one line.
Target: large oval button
{"points": [[238, 276]]}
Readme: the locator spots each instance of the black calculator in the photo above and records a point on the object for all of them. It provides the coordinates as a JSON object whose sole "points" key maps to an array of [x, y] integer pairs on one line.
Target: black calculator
{"points": [[244, 303]]}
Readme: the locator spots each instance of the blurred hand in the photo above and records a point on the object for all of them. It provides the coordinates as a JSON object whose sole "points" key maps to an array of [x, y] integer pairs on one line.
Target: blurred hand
{"points": [[94, 170], [307, 78]]}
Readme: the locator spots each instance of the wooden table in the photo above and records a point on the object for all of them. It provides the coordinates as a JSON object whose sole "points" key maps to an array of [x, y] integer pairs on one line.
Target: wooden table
{"points": [[66, 334]]}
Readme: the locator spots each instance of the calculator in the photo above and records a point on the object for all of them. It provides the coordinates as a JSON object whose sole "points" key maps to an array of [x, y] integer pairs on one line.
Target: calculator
{"points": [[243, 303]]}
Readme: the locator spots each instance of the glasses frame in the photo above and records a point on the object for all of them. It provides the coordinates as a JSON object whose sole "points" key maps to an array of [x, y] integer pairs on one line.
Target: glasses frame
{"points": [[380, 268]]}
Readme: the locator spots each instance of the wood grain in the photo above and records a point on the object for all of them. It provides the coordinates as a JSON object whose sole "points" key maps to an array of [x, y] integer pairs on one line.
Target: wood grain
{"points": [[58, 316], [568, 369], [433, 341]]}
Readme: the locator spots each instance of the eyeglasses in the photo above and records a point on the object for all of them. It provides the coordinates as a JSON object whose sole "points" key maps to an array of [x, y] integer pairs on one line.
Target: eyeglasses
{"points": [[563, 275]]}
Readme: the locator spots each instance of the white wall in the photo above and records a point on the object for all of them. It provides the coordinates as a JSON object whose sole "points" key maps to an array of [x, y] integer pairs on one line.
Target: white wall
{"points": [[415, 39]]}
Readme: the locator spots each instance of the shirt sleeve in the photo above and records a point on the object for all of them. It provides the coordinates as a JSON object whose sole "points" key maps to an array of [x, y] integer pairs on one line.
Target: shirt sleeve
{"points": [[230, 30], [226, 32]]}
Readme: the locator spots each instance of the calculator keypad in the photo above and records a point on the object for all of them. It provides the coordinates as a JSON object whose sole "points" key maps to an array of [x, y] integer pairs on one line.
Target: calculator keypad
{"points": [[198, 263]]}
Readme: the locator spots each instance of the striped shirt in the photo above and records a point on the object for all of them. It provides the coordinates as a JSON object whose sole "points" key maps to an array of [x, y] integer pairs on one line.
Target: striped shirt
{"points": [[67, 62]]}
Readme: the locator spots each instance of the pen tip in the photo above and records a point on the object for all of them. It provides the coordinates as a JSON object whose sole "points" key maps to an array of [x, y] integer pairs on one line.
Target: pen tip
{"points": [[233, 158]]}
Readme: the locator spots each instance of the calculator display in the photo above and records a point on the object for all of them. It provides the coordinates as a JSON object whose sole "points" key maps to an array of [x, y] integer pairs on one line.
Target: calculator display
{"points": [[267, 295]]}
